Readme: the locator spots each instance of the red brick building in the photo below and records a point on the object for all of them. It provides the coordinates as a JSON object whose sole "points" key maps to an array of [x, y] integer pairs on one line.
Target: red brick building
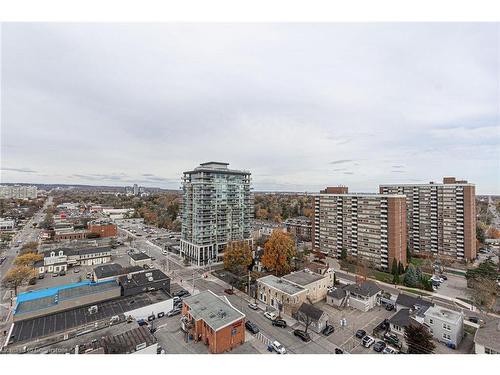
{"points": [[103, 228], [214, 321]]}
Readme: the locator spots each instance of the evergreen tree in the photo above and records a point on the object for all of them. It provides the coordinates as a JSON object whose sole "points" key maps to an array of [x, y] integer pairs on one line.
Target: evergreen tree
{"points": [[418, 339], [394, 270], [395, 279], [411, 278], [343, 254], [401, 268], [418, 271]]}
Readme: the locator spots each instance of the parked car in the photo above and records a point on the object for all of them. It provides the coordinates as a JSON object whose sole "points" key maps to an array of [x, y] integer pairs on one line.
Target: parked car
{"points": [[62, 273], [360, 333], [142, 322], [474, 319], [89, 275], [270, 315], [253, 306], [161, 315], [176, 299], [444, 277], [389, 350], [279, 323], [278, 348], [392, 339], [339, 351], [328, 330], [379, 346], [41, 276], [76, 270], [181, 293], [174, 311], [229, 291], [252, 327], [368, 341], [151, 317], [303, 335], [32, 281], [389, 307], [55, 274], [384, 325]]}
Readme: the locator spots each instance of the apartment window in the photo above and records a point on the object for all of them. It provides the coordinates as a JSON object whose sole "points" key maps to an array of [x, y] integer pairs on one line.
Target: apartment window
{"points": [[431, 321], [446, 326], [446, 336], [490, 351]]}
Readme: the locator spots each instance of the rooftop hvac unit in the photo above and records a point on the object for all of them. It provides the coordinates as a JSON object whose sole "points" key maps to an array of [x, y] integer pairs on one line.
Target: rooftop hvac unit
{"points": [[129, 276], [150, 278], [149, 274]]}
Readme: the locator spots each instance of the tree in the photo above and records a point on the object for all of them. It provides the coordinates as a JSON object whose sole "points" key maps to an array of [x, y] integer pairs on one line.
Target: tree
{"points": [[484, 293], [29, 247], [486, 270], [418, 339], [418, 273], [395, 279], [237, 256], [401, 268], [28, 259], [411, 278], [48, 221], [394, 270], [17, 275], [343, 254], [278, 253]]}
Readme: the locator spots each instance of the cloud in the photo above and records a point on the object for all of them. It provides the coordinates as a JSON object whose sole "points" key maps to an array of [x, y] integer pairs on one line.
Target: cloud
{"points": [[342, 161], [146, 102], [397, 166], [348, 172], [20, 170]]}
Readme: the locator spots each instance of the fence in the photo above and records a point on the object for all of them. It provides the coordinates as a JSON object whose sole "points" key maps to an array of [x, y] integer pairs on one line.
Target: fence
{"points": [[264, 339]]}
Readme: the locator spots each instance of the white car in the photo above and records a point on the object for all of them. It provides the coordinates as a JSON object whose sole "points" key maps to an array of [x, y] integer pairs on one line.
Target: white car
{"points": [[368, 341], [278, 348], [253, 306], [389, 350], [270, 315]]}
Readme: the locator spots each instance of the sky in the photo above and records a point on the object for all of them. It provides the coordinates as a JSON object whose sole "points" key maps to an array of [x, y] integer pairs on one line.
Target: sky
{"points": [[301, 106]]}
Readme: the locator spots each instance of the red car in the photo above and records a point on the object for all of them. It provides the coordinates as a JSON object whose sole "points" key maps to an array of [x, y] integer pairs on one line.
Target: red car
{"points": [[228, 291]]}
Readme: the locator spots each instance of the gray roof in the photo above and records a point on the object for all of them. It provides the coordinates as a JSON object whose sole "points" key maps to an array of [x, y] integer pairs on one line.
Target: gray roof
{"points": [[416, 303], [303, 278], [69, 251], [337, 293], [128, 341], [280, 284], [312, 312], [488, 335], [142, 278], [401, 318], [108, 270], [442, 313], [212, 309], [366, 288], [139, 256]]}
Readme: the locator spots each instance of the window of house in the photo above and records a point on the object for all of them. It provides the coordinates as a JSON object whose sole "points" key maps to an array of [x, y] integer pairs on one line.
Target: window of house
{"points": [[431, 321]]}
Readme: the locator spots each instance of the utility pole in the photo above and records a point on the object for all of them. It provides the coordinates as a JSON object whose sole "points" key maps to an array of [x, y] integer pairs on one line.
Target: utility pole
{"points": [[249, 280], [193, 280]]}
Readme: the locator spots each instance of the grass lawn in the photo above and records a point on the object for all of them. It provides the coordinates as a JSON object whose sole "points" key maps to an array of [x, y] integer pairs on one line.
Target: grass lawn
{"points": [[384, 276], [417, 262], [417, 291]]}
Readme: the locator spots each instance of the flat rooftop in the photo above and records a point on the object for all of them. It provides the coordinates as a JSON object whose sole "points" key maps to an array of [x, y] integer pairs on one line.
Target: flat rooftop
{"points": [[303, 278], [139, 256], [44, 326], [444, 314], [280, 284], [215, 311]]}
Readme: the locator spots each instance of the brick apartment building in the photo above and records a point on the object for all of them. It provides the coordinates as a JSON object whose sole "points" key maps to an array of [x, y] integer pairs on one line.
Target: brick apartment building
{"points": [[300, 227], [371, 227], [103, 228], [440, 217], [214, 321]]}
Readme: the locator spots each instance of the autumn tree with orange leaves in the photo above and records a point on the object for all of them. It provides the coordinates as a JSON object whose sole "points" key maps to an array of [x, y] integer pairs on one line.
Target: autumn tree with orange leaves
{"points": [[237, 256], [278, 253]]}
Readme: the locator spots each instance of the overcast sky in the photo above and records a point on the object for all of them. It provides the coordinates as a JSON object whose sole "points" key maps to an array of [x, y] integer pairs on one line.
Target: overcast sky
{"points": [[301, 106]]}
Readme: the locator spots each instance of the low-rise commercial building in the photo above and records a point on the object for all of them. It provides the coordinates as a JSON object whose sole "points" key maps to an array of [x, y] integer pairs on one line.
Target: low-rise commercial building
{"points": [[279, 293], [60, 259], [140, 259], [112, 271], [63, 297], [214, 321], [316, 284], [135, 341], [102, 228], [144, 281]]}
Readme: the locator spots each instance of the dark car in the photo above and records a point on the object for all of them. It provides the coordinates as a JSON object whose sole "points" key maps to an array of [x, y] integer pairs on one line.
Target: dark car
{"points": [[389, 307], [384, 325], [151, 317], [142, 322], [62, 273], [252, 327], [279, 323], [360, 333], [328, 330], [303, 335], [474, 319], [181, 293], [228, 291], [161, 314], [444, 277], [379, 346], [339, 351], [41, 276], [32, 281]]}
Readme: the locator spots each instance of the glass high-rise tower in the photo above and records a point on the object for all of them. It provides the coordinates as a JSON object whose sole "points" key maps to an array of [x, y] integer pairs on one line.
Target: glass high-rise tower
{"points": [[217, 208]]}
